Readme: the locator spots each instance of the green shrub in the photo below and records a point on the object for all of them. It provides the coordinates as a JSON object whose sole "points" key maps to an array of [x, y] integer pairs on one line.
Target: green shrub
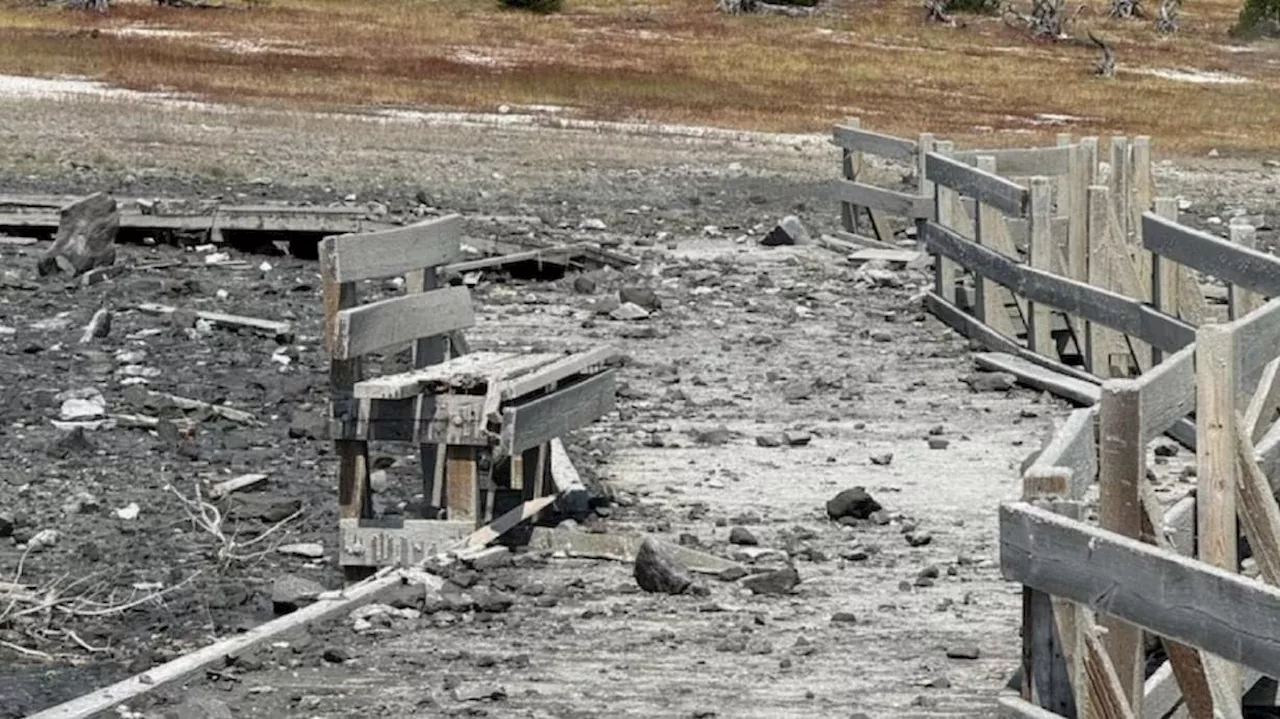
{"points": [[1259, 17], [538, 6]]}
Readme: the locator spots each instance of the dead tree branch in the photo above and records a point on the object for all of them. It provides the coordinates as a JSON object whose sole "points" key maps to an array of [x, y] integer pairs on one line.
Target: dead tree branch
{"points": [[1106, 65], [1167, 16], [206, 517]]}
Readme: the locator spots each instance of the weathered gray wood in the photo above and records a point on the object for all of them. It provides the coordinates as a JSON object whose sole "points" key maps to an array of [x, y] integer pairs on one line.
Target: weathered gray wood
{"points": [[1195, 603], [1077, 298], [216, 654], [539, 421], [473, 371], [556, 371], [385, 323], [280, 331], [1040, 254], [887, 146], [1023, 161], [386, 253], [1121, 474], [1168, 392], [895, 203], [1037, 377], [1019, 230], [1252, 269], [1019, 708], [1256, 337], [559, 255], [621, 548], [396, 542], [968, 326], [1009, 197], [1075, 447]]}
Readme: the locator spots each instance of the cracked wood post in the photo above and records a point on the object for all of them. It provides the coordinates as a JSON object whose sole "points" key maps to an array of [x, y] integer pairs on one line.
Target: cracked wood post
{"points": [[989, 304], [428, 351], [1217, 466], [925, 187], [945, 202], [1241, 301], [851, 167], [1164, 274], [1122, 470], [1141, 195], [1102, 342], [1040, 255], [1050, 638]]}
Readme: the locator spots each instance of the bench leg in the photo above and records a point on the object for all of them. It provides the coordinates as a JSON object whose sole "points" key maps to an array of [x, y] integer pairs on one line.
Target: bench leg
{"points": [[353, 491], [461, 483]]}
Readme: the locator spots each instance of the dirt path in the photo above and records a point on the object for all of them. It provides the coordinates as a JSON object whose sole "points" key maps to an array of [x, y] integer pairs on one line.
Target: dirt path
{"points": [[755, 340]]}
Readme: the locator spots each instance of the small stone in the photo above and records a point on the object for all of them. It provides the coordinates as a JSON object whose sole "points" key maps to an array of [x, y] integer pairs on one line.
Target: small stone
{"points": [[918, 539], [479, 692], [857, 554], [768, 440], [1166, 450], [883, 459], [732, 574], [777, 582], [853, 502], [932, 572], [939, 443], [584, 285], [788, 231], [81, 502], [990, 381], [844, 618], [743, 536], [657, 571], [629, 311], [714, 436], [308, 425], [43, 539], [6, 525], [201, 705], [880, 517], [797, 438], [129, 512], [336, 655], [939, 683], [289, 593], [967, 651], [310, 550], [593, 224]]}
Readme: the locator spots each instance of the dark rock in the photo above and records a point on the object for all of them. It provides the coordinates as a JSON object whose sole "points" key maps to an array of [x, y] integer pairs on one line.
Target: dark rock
{"points": [[584, 285], [479, 692], [265, 508], [967, 651], [788, 231], [777, 582], [492, 602], [290, 593], [732, 574], [880, 517], [336, 655], [86, 237], [640, 296], [183, 319], [919, 539], [70, 444], [857, 554], [6, 524], [882, 460], [844, 618], [743, 536], [734, 645], [201, 705], [714, 437], [658, 572], [768, 440], [406, 596], [854, 503], [939, 443], [605, 305], [932, 572], [990, 381], [688, 540], [1166, 450]]}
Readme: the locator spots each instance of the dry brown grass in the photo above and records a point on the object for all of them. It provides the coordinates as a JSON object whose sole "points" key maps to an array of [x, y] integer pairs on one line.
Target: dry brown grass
{"points": [[677, 61]]}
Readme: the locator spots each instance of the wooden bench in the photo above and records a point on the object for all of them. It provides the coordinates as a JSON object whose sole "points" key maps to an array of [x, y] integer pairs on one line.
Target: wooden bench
{"points": [[485, 421]]}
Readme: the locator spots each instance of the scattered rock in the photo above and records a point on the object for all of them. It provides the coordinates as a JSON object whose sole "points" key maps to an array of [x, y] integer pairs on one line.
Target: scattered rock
{"points": [[81, 502], [336, 655], [855, 503], [290, 593], [884, 459], [77, 409], [308, 425], [310, 550], [715, 436], [128, 512], [743, 536], [788, 231], [479, 692], [71, 443], [918, 539], [990, 381], [43, 539], [658, 572], [777, 582], [844, 618], [6, 525], [732, 574], [584, 285], [797, 438], [594, 224], [642, 297], [201, 705], [629, 311], [939, 443], [967, 651], [86, 237], [768, 440]]}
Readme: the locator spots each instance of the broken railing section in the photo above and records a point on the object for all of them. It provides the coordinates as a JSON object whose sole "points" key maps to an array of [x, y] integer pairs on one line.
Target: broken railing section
{"points": [[1221, 630]]}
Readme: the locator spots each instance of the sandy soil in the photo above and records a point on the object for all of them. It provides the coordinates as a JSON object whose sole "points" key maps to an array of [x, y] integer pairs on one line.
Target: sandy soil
{"points": [[751, 339]]}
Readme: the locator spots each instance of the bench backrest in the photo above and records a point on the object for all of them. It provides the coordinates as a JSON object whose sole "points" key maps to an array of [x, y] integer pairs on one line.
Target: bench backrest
{"points": [[415, 251]]}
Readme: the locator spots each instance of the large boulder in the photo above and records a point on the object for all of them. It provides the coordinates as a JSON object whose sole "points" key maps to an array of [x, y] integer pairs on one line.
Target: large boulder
{"points": [[86, 237], [854, 503], [788, 231], [657, 571]]}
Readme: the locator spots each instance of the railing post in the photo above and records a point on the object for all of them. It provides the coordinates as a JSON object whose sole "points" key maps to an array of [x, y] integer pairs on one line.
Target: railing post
{"points": [[1050, 635], [1040, 255], [945, 204], [1122, 471], [851, 166]]}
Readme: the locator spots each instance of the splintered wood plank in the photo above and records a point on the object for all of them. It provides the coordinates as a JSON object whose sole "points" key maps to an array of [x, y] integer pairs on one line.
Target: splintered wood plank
{"points": [[1244, 266], [850, 136], [1040, 253], [395, 251], [1121, 474], [268, 328], [1007, 196], [1105, 688], [899, 204], [563, 368], [1103, 343], [1078, 391], [1240, 300], [1264, 404], [408, 384], [850, 168], [880, 223], [1219, 611], [397, 320], [1049, 636], [1259, 514], [538, 421], [1141, 197], [461, 483], [491, 532]]}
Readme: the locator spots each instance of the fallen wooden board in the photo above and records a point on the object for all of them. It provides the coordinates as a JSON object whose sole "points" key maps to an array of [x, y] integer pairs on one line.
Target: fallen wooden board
{"points": [[1037, 377], [873, 254], [560, 255], [567, 408], [1193, 602], [217, 653], [621, 548], [279, 331], [848, 242], [244, 481], [489, 533], [874, 143]]}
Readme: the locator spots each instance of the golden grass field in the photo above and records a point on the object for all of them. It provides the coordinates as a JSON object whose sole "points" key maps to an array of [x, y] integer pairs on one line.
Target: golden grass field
{"points": [[678, 61]]}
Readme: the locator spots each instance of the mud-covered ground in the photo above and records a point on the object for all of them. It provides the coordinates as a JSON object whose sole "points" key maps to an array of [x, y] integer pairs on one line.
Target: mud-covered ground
{"points": [[749, 342]]}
